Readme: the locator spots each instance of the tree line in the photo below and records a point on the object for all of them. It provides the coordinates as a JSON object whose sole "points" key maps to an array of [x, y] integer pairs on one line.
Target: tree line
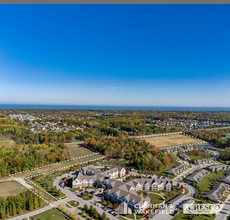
{"points": [[24, 201], [21, 157]]}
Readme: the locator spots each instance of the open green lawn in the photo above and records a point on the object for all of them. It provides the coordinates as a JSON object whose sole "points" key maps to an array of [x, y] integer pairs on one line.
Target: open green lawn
{"points": [[207, 181], [193, 157], [181, 216], [156, 199], [51, 214], [11, 188]]}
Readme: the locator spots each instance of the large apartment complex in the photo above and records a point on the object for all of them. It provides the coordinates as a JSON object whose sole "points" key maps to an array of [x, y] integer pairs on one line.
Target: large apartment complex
{"points": [[118, 191]]}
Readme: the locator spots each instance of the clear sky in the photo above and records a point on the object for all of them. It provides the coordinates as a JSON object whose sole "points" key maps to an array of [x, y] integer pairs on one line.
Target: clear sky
{"points": [[138, 55]]}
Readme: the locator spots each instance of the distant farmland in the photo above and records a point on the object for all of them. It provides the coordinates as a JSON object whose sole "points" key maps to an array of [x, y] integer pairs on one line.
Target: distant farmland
{"points": [[170, 140]]}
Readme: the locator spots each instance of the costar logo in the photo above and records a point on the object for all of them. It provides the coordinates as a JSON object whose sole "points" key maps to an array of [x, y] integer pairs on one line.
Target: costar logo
{"points": [[202, 208]]}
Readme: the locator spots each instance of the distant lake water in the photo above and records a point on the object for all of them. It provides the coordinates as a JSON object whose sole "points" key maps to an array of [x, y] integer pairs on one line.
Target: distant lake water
{"points": [[94, 107], [228, 136]]}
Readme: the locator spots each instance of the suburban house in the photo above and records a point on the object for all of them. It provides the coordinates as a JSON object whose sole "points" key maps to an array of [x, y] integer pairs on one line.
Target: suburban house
{"points": [[177, 169], [183, 156], [202, 161], [197, 175], [217, 191], [218, 167], [226, 178]]}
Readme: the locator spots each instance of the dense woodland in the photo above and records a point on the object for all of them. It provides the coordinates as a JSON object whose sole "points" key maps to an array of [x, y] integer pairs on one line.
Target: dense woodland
{"points": [[217, 137], [21, 157], [153, 160], [225, 155], [13, 205], [111, 147]]}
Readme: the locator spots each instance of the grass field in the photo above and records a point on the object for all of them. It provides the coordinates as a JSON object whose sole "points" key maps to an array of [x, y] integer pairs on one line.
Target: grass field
{"points": [[74, 140], [76, 150], [6, 141], [51, 214], [207, 181], [170, 140], [11, 188]]}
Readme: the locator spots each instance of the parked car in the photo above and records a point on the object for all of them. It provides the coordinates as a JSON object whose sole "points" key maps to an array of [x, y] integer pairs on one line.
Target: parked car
{"points": [[174, 213]]}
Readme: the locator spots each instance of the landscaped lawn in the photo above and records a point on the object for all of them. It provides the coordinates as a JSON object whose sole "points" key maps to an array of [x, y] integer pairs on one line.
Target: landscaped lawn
{"points": [[155, 198], [11, 188], [194, 157], [73, 203], [51, 214], [207, 181], [186, 191], [170, 194], [181, 216], [48, 178], [131, 216]]}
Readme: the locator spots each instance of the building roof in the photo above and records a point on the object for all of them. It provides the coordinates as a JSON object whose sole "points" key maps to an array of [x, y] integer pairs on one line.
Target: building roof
{"points": [[197, 175], [175, 198]]}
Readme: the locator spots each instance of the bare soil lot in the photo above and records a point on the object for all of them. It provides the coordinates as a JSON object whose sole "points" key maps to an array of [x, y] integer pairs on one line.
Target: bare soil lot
{"points": [[11, 188], [170, 140]]}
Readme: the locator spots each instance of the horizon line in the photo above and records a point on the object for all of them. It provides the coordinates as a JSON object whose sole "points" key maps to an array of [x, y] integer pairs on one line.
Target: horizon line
{"points": [[119, 105]]}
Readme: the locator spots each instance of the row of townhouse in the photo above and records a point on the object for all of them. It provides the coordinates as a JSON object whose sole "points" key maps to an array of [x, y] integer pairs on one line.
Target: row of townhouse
{"points": [[171, 150], [218, 167], [225, 178], [217, 191], [183, 156], [180, 148], [177, 169], [202, 161], [197, 175]]}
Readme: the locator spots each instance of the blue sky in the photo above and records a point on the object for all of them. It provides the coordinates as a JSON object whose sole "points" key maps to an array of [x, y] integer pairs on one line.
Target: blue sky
{"points": [[137, 55]]}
